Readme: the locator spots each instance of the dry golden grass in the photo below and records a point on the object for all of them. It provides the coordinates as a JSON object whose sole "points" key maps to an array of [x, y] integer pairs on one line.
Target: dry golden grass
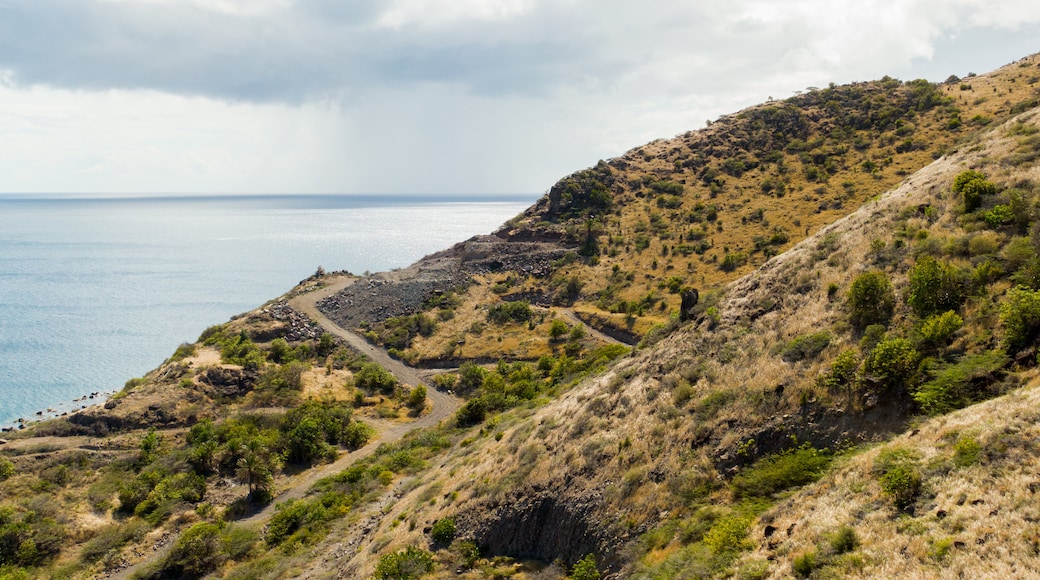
{"points": [[744, 210], [648, 415], [977, 521]]}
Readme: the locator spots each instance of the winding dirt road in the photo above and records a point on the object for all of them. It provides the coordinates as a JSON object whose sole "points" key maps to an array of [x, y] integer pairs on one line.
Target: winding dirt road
{"points": [[442, 406]]}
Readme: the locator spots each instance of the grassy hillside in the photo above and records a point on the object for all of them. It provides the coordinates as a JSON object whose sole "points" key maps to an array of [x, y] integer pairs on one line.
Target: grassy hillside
{"points": [[882, 270], [706, 207]]}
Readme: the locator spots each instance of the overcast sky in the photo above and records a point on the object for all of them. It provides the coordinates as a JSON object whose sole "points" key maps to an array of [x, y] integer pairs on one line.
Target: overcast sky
{"points": [[429, 96]]}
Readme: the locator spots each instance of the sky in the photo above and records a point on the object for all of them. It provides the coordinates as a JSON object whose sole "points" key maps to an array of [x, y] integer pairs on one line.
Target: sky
{"points": [[138, 97]]}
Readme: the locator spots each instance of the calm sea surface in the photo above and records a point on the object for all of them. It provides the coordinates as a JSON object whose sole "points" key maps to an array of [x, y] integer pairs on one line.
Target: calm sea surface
{"points": [[94, 292]]}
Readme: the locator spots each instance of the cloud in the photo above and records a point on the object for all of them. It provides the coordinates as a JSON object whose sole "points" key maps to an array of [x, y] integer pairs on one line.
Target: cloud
{"points": [[469, 95]]}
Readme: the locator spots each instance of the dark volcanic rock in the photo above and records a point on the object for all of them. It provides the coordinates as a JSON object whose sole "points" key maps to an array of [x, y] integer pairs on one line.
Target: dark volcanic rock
{"points": [[404, 291], [545, 526]]}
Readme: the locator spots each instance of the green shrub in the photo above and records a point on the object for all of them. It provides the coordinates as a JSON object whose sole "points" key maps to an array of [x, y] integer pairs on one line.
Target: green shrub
{"points": [[280, 352], [899, 475], [999, 216], [443, 531], [843, 370], [729, 534], [804, 564], [519, 311], [557, 329], [185, 350], [781, 471], [471, 413], [374, 378], [972, 185], [844, 540], [585, 569], [6, 468], [937, 330], [1020, 318], [892, 365], [417, 397], [957, 385], [807, 346], [405, 564], [935, 287], [870, 300], [733, 261], [967, 451], [196, 553]]}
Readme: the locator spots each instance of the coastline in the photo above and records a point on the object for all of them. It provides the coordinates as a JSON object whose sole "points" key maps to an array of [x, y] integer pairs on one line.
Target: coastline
{"points": [[101, 291], [99, 399]]}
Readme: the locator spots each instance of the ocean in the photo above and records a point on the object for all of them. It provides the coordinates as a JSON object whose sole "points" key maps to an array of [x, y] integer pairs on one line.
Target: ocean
{"points": [[94, 292]]}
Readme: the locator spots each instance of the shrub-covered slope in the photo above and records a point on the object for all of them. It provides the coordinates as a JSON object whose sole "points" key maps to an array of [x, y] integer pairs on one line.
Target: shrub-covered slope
{"points": [[708, 206], [670, 464], [850, 287]]}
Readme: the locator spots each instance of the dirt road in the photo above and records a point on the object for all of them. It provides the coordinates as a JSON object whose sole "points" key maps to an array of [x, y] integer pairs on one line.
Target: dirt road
{"points": [[442, 406]]}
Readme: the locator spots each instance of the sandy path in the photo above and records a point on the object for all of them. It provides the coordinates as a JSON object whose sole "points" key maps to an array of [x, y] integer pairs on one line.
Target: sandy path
{"points": [[442, 406], [573, 317]]}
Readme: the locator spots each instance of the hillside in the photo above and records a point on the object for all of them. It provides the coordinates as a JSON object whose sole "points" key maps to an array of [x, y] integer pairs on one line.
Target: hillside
{"points": [[858, 352]]}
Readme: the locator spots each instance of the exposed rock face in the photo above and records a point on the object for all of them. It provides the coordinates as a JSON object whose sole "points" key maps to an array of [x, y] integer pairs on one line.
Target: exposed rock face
{"points": [[226, 382], [689, 297], [543, 525], [100, 421], [298, 327], [404, 291]]}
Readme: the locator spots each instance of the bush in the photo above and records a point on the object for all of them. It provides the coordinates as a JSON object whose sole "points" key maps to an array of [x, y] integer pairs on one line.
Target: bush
{"points": [[1020, 318], [417, 398], [443, 531], [6, 468], [729, 534], [935, 287], [185, 350], [374, 378], [471, 413], [937, 330], [585, 569], [557, 329], [844, 540], [967, 451], [196, 553], [782, 471], [972, 185], [807, 346], [842, 371], [954, 386], [871, 300], [519, 311], [892, 364], [899, 475], [804, 565], [410, 562]]}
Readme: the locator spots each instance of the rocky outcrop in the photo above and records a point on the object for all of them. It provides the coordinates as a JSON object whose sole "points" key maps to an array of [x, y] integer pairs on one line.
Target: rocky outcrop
{"points": [[544, 525], [401, 292]]}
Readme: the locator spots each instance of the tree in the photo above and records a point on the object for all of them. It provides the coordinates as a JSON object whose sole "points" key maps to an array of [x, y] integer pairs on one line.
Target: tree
{"points": [[934, 287], [1020, 317], [254, 469], [417, 398], [870, 299], [972, 185], [373, 377], [557, 329], [892, 364], [585, 569]]}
